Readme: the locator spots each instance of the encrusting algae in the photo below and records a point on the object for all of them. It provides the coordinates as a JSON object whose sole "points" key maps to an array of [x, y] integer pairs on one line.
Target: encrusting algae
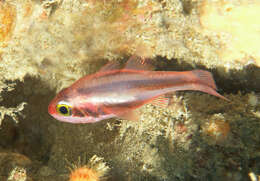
{"points": [[238, 22], [7, 20]]}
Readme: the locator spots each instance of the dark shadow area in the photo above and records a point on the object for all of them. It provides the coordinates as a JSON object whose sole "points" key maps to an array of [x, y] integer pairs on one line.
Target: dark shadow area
{"points": [[43, 139], [30, 136], [188, 6]]}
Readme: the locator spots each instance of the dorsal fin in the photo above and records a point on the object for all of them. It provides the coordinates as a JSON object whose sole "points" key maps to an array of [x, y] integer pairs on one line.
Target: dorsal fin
{"points": [[134, 62], [138, 63], [110, 66]]}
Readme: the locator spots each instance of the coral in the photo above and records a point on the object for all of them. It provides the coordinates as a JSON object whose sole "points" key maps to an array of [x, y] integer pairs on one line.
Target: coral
{"points": [[17, 174], [83, 174], [11, 112], [217, 129], [95, 170], [15, 164]]}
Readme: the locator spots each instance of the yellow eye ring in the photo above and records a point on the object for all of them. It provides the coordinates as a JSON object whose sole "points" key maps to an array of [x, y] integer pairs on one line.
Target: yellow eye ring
{"points": [[64, 109]]}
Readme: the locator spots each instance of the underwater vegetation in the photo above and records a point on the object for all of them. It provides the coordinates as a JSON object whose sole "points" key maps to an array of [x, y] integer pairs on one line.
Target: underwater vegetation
{"points": [[46, 45]]}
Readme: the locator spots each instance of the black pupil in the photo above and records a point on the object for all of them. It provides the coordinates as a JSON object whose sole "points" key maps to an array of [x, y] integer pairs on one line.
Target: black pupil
{"points": [[63, 110]]}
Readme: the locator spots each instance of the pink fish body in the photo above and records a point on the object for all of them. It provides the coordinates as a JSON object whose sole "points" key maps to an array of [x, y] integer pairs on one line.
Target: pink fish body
{"points": [[114, 92]]}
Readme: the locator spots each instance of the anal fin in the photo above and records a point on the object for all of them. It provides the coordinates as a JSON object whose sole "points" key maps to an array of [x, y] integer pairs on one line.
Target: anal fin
{"points": [[130, 115]]}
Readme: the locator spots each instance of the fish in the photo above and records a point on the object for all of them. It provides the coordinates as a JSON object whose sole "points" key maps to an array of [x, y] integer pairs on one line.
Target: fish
{"points": [[115, 92]]}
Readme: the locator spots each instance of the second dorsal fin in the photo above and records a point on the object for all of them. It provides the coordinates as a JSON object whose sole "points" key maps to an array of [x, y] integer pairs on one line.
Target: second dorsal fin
{"points": [[110, 66], [138, 63]]}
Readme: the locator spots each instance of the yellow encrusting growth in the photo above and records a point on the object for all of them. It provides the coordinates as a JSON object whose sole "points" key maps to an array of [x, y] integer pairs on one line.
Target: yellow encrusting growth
{"points": [[7, 19], [238, 22]]}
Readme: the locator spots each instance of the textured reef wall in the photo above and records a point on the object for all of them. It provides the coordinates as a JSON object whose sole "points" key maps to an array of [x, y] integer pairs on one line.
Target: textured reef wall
{"points": [[45, 45]]}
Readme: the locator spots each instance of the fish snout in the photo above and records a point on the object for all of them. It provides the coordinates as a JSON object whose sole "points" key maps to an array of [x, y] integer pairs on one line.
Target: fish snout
{"points": [[51, 109]]}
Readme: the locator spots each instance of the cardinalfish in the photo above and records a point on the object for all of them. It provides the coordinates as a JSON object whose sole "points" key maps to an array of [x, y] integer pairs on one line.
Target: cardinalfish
{"points": [[114, 92]]}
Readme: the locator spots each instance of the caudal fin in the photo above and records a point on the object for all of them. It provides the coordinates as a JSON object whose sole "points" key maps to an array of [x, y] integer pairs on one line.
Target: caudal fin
{"points": [[203, 81], [204, 77]]}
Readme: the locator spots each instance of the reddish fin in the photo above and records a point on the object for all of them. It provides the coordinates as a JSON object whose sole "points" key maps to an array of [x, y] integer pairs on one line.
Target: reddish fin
{"points": [[161, 101], [130, 115], [206, 89], [206, 83], [138, 63], [205, 78], [214, 93], [110, 66]]}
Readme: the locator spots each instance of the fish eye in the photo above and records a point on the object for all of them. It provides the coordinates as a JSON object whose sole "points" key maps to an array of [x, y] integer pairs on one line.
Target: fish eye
{"points": [[64, 109]]}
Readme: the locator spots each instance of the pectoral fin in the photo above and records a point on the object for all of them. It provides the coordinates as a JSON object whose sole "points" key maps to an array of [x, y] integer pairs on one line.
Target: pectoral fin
{"points": [[161, 101], [164, 100]]}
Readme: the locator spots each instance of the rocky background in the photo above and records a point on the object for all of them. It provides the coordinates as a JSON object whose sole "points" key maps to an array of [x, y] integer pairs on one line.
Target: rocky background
{"points": [[45, 45]]}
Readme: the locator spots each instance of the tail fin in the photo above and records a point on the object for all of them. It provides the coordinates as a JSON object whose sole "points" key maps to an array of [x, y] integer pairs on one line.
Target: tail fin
{"points": [[204, 77], [203, 81]]}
